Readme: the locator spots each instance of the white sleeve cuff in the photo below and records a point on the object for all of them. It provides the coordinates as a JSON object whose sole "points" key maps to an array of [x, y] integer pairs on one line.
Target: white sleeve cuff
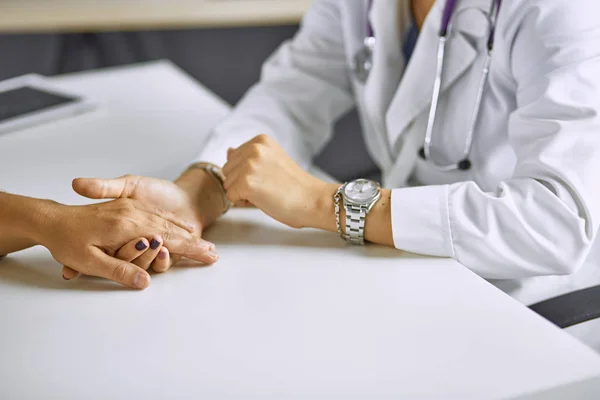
{"points": [[420, 220]]}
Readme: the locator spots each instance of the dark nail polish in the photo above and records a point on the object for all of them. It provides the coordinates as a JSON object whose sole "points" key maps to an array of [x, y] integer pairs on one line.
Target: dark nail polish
{"points": [[162, 255], [139, 246], [154, 244]]}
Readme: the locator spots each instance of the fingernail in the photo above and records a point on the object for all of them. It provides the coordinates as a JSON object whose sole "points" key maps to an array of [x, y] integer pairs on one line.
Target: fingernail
{"points": [[141, 280], [191, 227], [212, 255], [162, 255], [140, 245], [154, 244], [65, 278]]}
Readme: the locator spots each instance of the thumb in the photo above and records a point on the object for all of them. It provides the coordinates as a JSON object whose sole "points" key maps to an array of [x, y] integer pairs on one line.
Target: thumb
{"points": [[123, 272], [69, 273], [95, 188]]}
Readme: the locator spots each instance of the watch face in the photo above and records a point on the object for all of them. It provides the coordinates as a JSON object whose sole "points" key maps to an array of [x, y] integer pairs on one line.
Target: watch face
{"points": [[361, 191]]}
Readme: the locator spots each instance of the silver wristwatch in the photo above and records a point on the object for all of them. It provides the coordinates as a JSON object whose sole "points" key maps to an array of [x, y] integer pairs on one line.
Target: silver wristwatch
{"points": [[359, 197]]}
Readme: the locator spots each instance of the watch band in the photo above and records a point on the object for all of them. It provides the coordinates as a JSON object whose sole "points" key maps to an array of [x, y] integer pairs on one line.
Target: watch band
{"points": [[215, 173], [355, 220], [355, 224]]}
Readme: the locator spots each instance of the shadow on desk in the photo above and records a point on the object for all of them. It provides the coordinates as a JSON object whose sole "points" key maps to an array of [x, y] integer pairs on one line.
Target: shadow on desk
{"points": [[36, 267], [246, 232], [40, 270]]}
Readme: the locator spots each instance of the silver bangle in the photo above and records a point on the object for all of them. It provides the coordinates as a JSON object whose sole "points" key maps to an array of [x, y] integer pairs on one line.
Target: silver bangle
{"points": [[217, 175]]}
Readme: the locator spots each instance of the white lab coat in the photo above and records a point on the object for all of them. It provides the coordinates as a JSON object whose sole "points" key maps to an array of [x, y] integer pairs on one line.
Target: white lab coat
{"points": [[526, 215]]}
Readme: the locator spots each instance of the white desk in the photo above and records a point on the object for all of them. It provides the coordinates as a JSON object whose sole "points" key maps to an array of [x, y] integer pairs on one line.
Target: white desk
{"points": [[586, 389], [103, 15], [284, 314]]}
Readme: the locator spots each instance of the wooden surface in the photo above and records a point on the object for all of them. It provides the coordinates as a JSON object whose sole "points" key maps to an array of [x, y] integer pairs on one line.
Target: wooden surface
{"points": [[122, 15]]}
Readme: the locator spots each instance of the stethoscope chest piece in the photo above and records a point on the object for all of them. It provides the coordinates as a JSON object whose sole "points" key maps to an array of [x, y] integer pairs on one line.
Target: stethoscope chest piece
{"points": [[363, 60], [462, 165]]}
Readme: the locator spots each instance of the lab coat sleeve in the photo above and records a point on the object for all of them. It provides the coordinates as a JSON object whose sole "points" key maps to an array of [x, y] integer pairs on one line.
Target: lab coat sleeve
{"points": [[544, 219], [304, 88]]}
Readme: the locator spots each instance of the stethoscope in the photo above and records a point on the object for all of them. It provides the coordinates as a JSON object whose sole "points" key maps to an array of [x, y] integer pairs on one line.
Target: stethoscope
{"points": [[363, 63]]}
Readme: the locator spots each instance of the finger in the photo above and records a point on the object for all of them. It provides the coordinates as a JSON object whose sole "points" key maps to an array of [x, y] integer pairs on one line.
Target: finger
{"points": [[145, 259], [233, 163], [176, 239], [253, 149], [232, 176], [230, 153], [243, 204], [95, 188], [166, 215], [236, 190], [69, 273], [133, 249], [174, 258], [173, 234], [234, 153], [123, 272], [193, 248], [162, 262]]}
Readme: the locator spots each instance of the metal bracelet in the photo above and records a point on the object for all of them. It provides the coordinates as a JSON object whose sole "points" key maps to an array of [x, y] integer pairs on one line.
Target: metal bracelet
{"points": [[215, 173], [336, 200]]}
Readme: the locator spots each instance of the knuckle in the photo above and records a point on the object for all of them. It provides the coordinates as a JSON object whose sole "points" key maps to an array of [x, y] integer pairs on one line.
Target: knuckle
{"points": [[247, 182], [119, 272], [131, 184], [263, 138], [251, 166], [189, 245], [125, 224], [168, 229], [120, 224], [257, 149]]}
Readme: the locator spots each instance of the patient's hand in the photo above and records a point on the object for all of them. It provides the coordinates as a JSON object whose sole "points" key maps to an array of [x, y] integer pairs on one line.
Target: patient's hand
{"points": [[140, 252], [87, 239], [160, 196]]}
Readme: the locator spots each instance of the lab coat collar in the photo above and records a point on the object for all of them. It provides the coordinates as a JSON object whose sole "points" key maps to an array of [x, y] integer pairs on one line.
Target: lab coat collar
{"points": [[413, 96], [388, 65]]}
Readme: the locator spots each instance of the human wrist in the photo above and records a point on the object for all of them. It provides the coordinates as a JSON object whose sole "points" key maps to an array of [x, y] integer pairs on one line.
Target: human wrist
{"points": [[46, 221], [28, 218], [322, 213], [204, 194]]}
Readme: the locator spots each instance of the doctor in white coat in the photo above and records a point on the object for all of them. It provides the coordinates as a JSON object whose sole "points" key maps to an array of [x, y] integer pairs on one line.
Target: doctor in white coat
{"points": [[500, 171]]}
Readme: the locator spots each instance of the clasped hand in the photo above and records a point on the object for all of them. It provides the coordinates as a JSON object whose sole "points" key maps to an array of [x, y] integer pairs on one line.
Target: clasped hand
{"points": [[152, 223], [262, 174]]}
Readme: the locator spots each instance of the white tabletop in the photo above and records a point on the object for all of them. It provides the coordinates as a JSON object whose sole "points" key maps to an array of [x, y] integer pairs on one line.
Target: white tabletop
{"points": [[103, 15], [284, 314], [586, 389]]}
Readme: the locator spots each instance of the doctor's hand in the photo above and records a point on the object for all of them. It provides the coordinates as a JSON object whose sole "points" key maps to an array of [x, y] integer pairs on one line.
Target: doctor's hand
{"points": [[260, 173], [162, 196]]}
